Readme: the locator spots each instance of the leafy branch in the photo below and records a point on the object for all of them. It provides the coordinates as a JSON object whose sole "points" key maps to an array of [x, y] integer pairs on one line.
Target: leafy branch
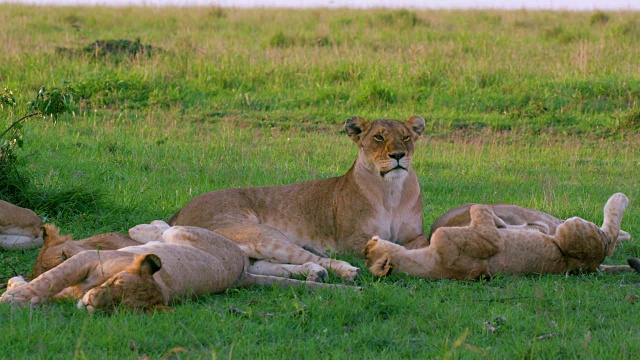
{"points": [[48, 103]]}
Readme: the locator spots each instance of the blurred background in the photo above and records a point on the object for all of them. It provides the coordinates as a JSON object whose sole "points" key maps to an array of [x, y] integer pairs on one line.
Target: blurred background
{"points": [[415, 4]]}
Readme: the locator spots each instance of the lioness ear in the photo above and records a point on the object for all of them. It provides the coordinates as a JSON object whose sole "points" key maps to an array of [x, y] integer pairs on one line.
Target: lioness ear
{"points": [[382, 266], [146, 264], [415, 123], [356, 126]]}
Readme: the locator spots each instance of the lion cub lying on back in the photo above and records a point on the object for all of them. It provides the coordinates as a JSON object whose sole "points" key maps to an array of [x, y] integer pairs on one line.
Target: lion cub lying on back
{"points": [[483, 249], [190, 261]]}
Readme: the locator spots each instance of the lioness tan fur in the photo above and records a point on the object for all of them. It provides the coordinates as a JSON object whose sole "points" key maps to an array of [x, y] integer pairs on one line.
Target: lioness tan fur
{"points": [[20, 228], [506, 215], [190, 261], [483, 249], [379, 195]]}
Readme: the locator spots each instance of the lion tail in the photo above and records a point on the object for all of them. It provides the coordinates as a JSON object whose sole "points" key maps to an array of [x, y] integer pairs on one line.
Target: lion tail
{"points": [[247, 279]]}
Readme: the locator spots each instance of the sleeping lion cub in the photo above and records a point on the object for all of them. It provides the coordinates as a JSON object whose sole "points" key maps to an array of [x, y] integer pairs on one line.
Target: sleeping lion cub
{"points": [[190, 261], [483, 249]]}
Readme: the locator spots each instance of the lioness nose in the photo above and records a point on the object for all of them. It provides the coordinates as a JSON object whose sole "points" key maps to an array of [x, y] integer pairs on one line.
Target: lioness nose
{"points": [[397, 155]]}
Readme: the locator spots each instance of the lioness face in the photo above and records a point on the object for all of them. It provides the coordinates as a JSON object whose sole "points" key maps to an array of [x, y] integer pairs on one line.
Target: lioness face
{"points": [[386, 144], [135, 288]]}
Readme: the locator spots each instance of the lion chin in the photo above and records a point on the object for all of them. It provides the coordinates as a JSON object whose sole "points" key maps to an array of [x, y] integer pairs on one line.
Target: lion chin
{"points": [[396, 174]]}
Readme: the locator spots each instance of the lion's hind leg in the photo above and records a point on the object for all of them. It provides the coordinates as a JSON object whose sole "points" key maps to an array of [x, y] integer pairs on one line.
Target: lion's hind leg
{"points": [[313, 272], [486, 240], [613, 211], [262, 242]]}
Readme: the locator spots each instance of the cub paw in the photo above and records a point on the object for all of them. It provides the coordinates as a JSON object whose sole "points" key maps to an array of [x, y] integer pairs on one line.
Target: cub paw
{"points": [[381, 266], [145, 233], [15, 282], [15, 299], [315, 272], [348, 272]]}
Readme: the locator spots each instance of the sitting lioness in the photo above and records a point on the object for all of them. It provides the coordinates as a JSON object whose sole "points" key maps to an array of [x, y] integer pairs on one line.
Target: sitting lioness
{"points": [[190, 261], [483, 249], [19, 227], [379, 195]]}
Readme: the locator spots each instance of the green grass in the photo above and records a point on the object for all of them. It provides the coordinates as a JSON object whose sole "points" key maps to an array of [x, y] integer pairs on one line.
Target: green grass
{"points": [[536, 71], [532, 108]]}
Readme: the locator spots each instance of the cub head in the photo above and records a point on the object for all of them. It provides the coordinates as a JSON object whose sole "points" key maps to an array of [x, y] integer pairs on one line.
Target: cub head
{"points": [[386, 145], [56, 249], [134, 288]]}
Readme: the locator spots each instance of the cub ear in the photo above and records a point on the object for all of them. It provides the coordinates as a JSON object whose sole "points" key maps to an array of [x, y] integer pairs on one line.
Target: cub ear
{"points": [[415, 123], [146, 264], [356, 126], [382, 266], [51, 235]]}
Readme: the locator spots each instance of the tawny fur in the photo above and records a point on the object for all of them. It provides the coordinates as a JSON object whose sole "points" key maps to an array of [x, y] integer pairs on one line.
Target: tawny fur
{"points": [[20, 228], [379, 195], [483, 249], [506, 215], [58, 248], [191, 261]]}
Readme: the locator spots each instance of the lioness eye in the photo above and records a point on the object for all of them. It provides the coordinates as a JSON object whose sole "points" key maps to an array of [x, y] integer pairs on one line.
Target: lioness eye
{"points": [[378, 137], [64, 257], [406, 138]]}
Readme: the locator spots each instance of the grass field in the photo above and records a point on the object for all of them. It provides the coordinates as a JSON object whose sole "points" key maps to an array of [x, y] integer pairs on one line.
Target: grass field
{"points": [[538, 109]]}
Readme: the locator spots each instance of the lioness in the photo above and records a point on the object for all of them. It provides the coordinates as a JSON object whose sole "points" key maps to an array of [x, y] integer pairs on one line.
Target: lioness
{"points": [[19, 227], [379, 195], [483, 249], [190, 261]]}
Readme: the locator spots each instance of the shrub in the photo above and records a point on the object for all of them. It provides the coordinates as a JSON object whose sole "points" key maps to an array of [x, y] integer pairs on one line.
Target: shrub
{"points": [[16, 185]]}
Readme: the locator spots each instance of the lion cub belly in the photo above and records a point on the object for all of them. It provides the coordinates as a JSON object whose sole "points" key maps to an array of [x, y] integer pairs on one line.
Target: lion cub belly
{"points": [[533, 254]]}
